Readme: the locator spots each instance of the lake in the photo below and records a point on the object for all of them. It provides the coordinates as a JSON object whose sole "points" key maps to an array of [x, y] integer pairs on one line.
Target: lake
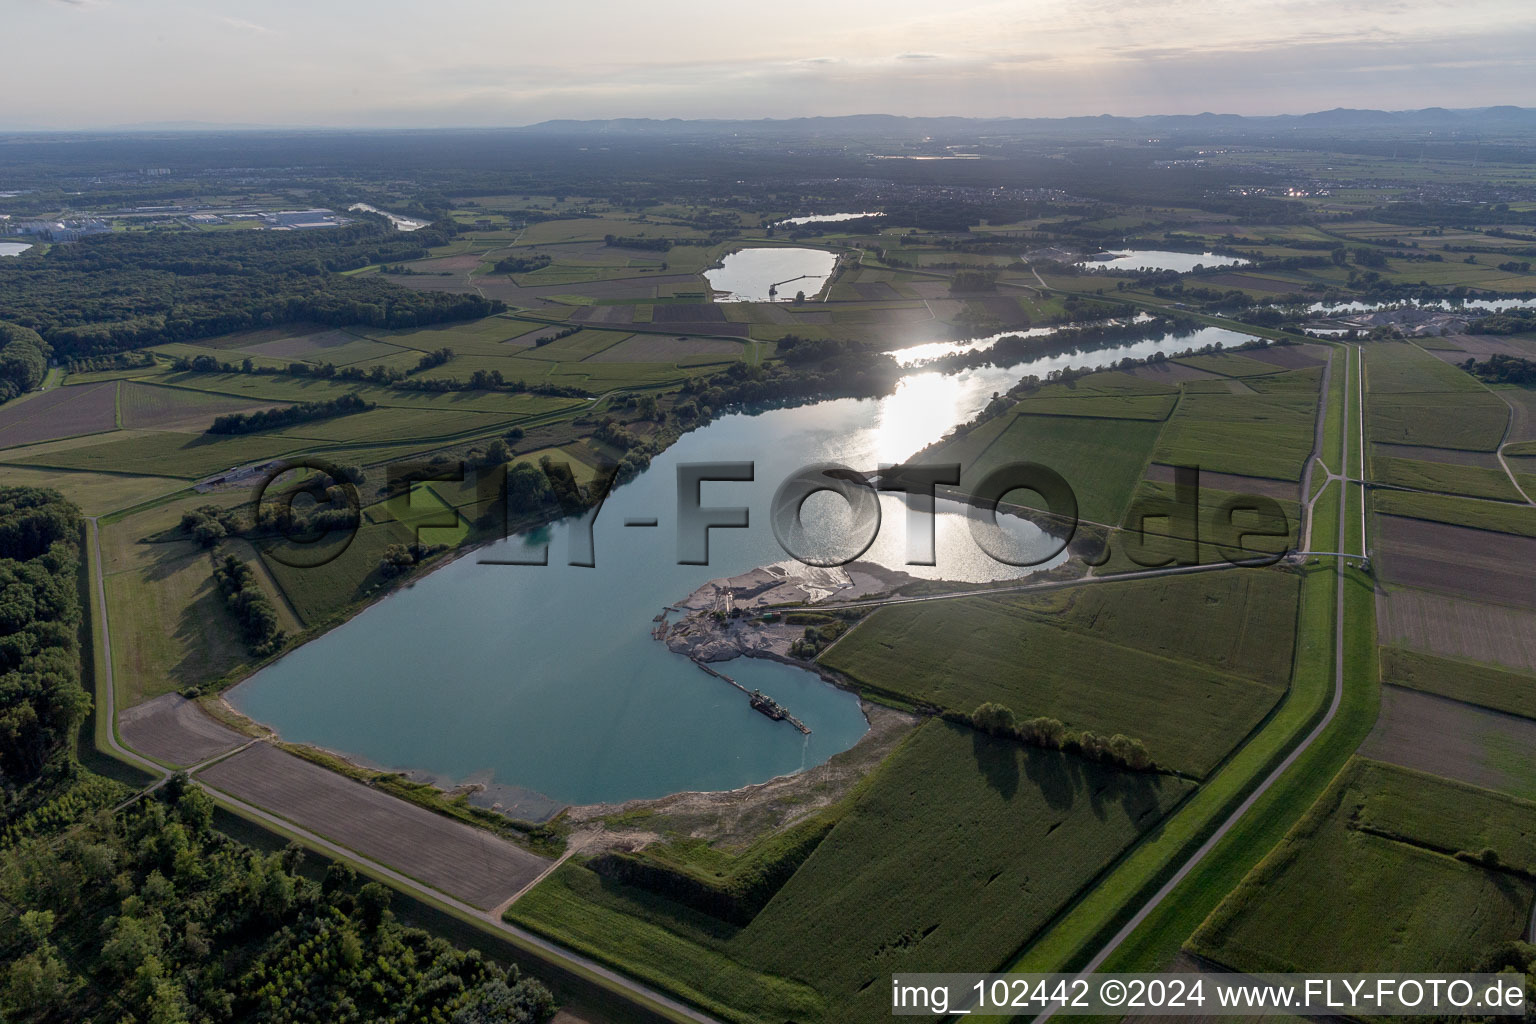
{"points": [[545, 680], [14, 248], [1160, 259], [749, 275], [826, 218], [400, 223], [1477, 305]]}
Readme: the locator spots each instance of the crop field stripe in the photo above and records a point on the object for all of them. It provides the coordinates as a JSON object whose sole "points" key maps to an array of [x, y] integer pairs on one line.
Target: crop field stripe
{"points": [[1163, 929]]}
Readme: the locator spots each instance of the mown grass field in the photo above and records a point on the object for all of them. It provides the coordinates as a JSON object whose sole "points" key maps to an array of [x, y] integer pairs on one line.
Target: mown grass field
{"points": [[175, 630], [1367, 881], [1005, 835], [95, 493], [1459, 679], [1142, 659], [323, 592]]}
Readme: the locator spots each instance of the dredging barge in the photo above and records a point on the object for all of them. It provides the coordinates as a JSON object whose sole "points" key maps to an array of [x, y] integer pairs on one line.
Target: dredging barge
{"points": [[760, 701]]}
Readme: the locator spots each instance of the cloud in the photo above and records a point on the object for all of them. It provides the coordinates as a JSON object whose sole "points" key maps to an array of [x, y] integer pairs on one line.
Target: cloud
{"points": [[917, 56], [240, 24]]}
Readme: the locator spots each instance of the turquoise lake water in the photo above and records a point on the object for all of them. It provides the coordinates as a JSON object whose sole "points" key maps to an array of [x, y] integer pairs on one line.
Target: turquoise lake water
{"points": [[547, 678]]}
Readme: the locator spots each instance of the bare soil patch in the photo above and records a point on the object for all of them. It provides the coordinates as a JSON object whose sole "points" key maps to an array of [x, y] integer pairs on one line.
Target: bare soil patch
{"points": [[474, 866], [687, 313], [302, 346], [1252, 284], [1455, 741], [1173, 373], [611, 314], [930, 289], [172, 729], [876, 290], [1476, 564], [1481, 346], [662, 348], [498, 287], [1523, 402], [1285, 490], [149, 407], [60, 412], [814, 316], [1490, 633], [1292, 357]]}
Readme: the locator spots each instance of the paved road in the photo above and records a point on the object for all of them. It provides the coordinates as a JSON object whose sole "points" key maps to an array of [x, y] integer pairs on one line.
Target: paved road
{"points": [[1226, 826], [106, 695]]}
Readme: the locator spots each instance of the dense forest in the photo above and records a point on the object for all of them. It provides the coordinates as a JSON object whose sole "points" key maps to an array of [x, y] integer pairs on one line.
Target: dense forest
{"points": [[41, 700], [149, 914], [23, 360], [152, 915], [127, 290]]}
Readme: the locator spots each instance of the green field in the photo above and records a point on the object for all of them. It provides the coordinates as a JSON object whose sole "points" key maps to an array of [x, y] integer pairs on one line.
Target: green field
{"points": [[1100, 458], [1445, 478], [1230, 364], [1416, 399], [1468, 681], [1261, 434], [1501, 517], [187, 456], [1188, 665], [1002, 837], [1367, 881]]}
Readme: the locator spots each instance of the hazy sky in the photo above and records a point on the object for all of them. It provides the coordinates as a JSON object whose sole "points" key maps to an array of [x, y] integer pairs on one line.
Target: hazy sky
{"points": [[92, 63]]}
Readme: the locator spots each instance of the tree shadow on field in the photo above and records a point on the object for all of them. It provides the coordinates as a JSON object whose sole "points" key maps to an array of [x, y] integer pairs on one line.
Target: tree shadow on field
{"points": [[998, 760], [1057, 776]]}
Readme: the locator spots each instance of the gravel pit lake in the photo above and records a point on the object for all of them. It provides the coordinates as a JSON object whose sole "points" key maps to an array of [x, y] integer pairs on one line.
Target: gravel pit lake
{"points": [[544, 681]]}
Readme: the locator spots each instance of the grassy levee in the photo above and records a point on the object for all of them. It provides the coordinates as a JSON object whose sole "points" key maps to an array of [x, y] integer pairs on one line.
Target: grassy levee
{"points": [[1354, 508], [1325, 517], [93, 747], [1333, 421], [1086, 925], [1160, 936]]}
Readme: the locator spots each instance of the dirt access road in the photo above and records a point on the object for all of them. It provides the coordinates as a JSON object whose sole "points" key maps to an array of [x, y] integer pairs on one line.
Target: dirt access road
{"points": [[284, 820]]}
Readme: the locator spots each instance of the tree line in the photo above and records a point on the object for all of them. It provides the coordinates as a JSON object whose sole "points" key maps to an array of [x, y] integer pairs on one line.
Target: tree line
{"points": [[270, 419], [1050, 734], [1500, 368], [249, 604]]}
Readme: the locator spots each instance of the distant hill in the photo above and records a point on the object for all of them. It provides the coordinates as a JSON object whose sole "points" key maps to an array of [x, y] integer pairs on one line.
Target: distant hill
{"points": [[1438, 120]]}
